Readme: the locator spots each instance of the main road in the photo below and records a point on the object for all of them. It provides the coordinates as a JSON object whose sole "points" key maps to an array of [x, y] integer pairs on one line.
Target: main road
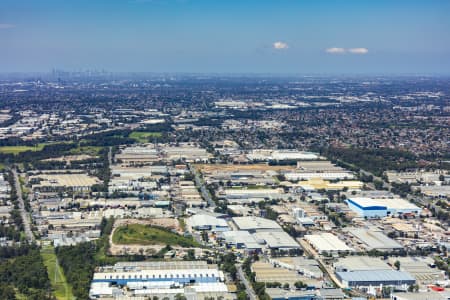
{"points": [[199, 183], [248, 287], [23, 213]]}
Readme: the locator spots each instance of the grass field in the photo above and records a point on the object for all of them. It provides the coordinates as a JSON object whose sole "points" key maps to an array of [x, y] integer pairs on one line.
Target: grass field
{"points": [[61, 288], [143, 137], [89, 150], [19, 149], [147, 235]]}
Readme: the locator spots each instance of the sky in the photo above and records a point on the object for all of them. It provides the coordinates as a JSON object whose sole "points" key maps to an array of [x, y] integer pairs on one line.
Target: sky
{"points": [[227, 36]]}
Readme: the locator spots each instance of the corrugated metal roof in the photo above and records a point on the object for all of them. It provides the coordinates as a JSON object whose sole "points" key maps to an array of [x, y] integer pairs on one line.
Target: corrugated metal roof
{"points": [[374, 275]]}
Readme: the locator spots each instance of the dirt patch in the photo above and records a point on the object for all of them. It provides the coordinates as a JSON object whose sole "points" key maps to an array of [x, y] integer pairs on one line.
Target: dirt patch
{"points": [[116, 249]]}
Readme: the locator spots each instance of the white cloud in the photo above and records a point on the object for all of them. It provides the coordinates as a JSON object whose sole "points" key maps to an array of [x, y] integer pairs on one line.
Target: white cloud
{"points": [[6, 26], [280, 45], [358, 50], [335, 50]]}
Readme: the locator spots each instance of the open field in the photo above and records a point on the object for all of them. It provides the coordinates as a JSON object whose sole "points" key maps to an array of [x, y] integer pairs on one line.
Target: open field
{"points": [[142, 137], [61, 288], [19, 149], [86, 150], [147, 235], [210, 168]]}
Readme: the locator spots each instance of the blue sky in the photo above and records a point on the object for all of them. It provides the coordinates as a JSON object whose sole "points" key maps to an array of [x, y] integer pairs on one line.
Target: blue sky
{"points": [[227, 36]]}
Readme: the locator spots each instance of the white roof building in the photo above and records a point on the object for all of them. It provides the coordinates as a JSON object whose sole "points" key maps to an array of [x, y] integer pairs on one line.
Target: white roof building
{"points": [[327, 242], [207, 222], [254, 224]]}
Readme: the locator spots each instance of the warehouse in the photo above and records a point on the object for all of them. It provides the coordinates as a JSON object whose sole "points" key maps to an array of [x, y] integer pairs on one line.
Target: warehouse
{"points": [[255, 224], [295, 176], [282, 294], [360, 263], [432, 295], [159, 278], [420, 268], [207, 222], [381, 207], [259, 194], [63, 182], [278, 240], [268, 273], [138, 155], [327, 243], [241, 240], [279, 155], [373, 278], [305, 266], [374, 239]]}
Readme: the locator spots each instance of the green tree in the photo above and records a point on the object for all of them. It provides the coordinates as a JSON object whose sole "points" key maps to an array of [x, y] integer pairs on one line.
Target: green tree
{"points": [[397, 265]]}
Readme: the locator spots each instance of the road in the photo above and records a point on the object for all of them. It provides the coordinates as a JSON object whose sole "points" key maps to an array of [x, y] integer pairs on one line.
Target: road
{"points": [[309, 250], [248, 287], [110, 156], [23, 212], [199, 182]]}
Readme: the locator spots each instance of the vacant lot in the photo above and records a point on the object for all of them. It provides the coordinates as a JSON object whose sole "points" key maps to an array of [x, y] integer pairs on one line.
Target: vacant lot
{"points": [[143, 137], [149, 235]]}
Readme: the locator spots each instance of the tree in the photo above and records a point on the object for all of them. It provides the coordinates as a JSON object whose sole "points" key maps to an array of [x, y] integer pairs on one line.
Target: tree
{"points": [[242, 295], [180, 297], [397, 265], [299, 285]]}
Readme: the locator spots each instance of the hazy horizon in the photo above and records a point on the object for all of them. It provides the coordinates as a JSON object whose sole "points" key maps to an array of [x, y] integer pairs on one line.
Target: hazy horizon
{"points": [[223, 37]]}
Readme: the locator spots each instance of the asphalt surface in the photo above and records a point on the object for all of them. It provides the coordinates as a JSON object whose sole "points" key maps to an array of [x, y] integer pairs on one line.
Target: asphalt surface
{"points": [[248, 287], [23, 213], [204, 191]]}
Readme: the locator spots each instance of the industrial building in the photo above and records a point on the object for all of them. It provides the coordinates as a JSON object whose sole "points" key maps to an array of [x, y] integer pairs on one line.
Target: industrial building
{"points": [[268, 273], [63, 182], [279, 155], [282, 294], [207, 222], [432, 295], [276, 240], [244, 195], [254, 224], [304, 266], [374, 278], [327, 243], [241, 239], [166, 279], [360, 263], [295, 176], [381, 207], [373, 239], [420, 268]]}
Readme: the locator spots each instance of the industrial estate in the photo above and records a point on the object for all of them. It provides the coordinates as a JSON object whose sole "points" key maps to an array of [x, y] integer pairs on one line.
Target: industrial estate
{"points": [[249, 193]]}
